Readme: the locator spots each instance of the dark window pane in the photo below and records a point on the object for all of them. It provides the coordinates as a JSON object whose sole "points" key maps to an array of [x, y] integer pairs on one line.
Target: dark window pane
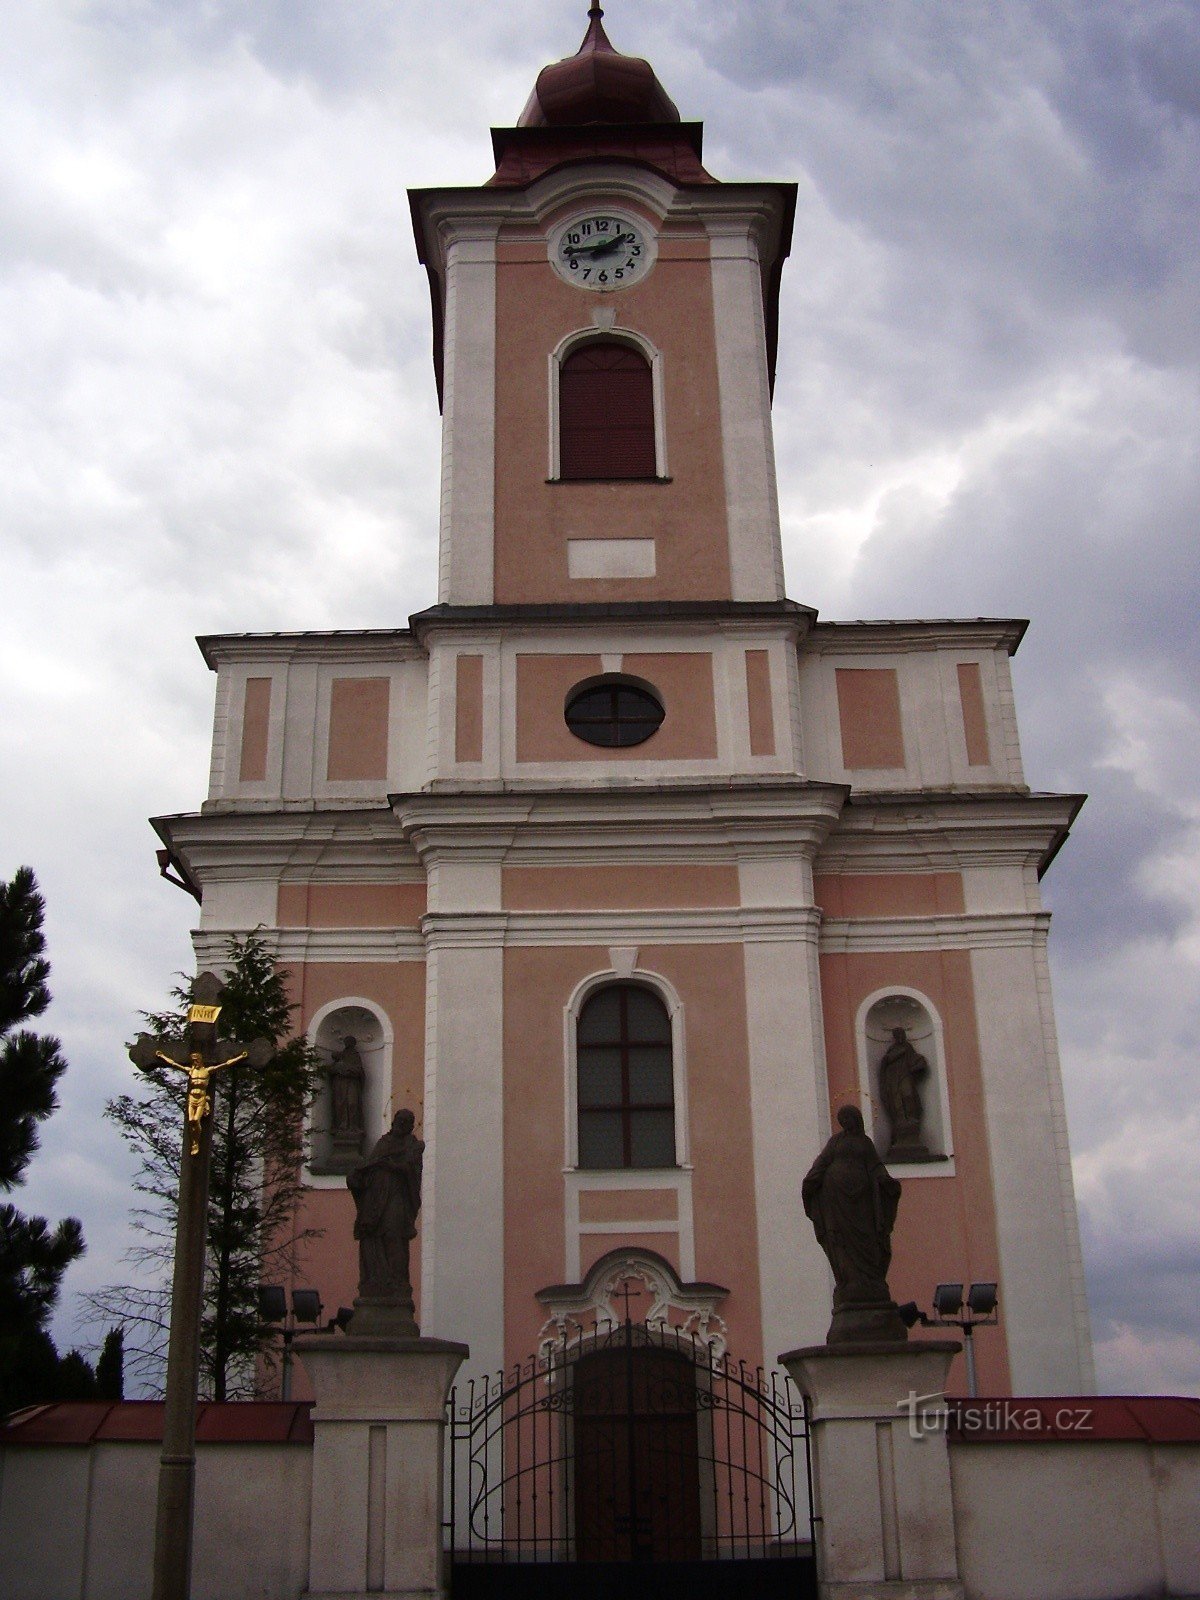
{"points": [[614, 714], [600, 1077], [601, 1143], [600, 1019], [648, 1019], [650, 1077], [652, 1139]]}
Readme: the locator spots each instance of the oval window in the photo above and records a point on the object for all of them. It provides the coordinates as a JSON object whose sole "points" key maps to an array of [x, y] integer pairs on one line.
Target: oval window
{"points": [[614, 712]]}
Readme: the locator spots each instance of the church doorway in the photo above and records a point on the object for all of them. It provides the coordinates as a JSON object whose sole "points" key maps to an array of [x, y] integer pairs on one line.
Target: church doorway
{"points": [[636, 1457], [628, 1461]]}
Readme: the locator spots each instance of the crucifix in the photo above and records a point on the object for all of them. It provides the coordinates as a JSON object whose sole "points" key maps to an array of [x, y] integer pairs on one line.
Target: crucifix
{"points": [[199, 1053]]}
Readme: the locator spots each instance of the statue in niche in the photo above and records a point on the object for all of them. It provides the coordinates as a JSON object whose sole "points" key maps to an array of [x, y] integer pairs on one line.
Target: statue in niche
{"points": [[346, 1078], [852, 1199], [386, 1187], [899, 1071]]}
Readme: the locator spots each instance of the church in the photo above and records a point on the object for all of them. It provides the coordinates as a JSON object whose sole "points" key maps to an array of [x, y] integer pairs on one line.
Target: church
{"points": [[620, 868]]}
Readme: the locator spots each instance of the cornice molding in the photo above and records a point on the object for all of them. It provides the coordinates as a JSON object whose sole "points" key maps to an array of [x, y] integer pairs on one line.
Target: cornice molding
{"points": [[355, 644], [297, 946], [942, 633], [970, 931]]}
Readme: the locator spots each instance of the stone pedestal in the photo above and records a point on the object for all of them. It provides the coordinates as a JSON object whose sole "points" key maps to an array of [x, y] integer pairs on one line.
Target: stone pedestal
{"points": [[379, 1424], [881, 1469]]}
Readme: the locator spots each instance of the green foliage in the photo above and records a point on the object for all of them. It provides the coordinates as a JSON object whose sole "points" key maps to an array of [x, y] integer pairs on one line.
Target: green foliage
{"points": [[34, 1255], [254, 1190], [110, 1367]]}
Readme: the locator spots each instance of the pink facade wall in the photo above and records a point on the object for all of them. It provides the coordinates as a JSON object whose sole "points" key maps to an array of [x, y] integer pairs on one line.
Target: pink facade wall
{"points": [[869, 717], [538, 983], [946, 1231], [358, 729], [686, 517], [256, 719], [683, 680]]}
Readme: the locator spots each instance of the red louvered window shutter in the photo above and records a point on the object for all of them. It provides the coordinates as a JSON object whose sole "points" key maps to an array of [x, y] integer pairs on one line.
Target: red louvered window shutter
{"points": [[606, 413]]}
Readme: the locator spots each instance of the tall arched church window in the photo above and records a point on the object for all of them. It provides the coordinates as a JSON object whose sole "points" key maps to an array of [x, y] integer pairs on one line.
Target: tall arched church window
{"points": [[606, 412], [626, 1084]]}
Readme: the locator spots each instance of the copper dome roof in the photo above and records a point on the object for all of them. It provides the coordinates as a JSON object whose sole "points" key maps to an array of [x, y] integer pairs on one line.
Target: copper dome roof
{"points": [[597, 84]]}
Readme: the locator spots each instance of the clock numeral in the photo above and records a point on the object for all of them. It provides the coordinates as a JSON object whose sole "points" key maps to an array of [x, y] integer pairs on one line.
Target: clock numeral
{"points": [[629, 263], [587, 272], [635, 250], [619, 273], [602, 277]]}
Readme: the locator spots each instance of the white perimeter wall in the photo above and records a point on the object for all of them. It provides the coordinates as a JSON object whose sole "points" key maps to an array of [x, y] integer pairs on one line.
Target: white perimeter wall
{"points": [[77, 1522], [1055, 1521], [1067, 1521]]}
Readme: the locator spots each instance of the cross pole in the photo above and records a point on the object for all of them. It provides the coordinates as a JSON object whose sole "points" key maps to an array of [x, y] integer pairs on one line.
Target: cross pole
{"points": [[199, 1053]]}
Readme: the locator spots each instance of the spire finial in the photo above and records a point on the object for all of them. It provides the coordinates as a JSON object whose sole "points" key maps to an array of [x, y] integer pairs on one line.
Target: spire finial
{"points": [[595, 10]]}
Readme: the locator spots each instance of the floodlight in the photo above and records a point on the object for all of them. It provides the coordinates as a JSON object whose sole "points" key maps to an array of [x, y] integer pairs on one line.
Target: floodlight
{"points": [[981, 1300], [306, 1305], [910, 1314], [947, 1299], [342, 1320], [272, 1304]]}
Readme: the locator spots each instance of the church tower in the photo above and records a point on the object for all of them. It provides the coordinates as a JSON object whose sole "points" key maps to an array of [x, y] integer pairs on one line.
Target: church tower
{"points": [[618, 866]]}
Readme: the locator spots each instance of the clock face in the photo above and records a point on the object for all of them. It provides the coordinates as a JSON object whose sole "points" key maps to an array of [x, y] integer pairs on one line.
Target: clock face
{"points": [[601, 250]]}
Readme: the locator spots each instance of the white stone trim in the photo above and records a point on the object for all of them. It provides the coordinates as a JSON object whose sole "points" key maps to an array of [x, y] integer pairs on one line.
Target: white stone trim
{"points": [[592, 1304], [747, 444], [669, 996], [1000, 930], [939, 1072], [377, 1102], [466, 562], [592, 335], [297, 946], [611, 558]]}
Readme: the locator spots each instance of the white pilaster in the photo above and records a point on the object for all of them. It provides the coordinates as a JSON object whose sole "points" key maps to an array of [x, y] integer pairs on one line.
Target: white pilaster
{"points": [[748, 448], [467, 555]]}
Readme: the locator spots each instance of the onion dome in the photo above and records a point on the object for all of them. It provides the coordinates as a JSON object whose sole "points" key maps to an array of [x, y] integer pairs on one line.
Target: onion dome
{"points": [[597, 84]]}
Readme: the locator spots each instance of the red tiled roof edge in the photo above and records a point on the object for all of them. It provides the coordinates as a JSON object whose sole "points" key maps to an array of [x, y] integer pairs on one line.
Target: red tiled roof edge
{"points": [[83, 1422]]}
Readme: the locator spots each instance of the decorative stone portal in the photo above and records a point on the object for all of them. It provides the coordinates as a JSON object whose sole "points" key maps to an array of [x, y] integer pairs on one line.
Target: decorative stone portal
{"points": [[631, 1285]]}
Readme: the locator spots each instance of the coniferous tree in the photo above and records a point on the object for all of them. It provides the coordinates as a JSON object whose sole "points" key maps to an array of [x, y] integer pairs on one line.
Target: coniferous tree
{"points": [[255, 1184], [33, 1254]]}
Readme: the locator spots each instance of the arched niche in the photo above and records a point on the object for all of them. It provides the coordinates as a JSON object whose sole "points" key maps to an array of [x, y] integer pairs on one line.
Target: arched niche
{"points": [[353, 1039], [903, 1066]]}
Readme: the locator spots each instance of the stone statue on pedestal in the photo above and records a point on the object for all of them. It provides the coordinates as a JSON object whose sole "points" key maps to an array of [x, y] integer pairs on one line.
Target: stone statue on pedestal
{"points": [[387, 1197], [852, 1201]]}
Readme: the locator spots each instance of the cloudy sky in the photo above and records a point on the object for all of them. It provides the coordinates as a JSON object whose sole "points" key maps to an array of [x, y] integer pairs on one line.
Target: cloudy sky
{"points": [[217, 412]]}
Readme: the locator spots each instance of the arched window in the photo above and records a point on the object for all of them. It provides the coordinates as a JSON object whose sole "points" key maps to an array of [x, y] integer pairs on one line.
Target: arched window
{"points": [[626, 1090], [606, 412]]}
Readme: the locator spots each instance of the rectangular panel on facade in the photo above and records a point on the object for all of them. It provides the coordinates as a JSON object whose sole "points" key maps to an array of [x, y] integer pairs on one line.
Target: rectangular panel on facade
{"points": [[610, 558], [468, 709], [256, 719], [869, 716], [358, 729], [758, 703], [970, 692]]}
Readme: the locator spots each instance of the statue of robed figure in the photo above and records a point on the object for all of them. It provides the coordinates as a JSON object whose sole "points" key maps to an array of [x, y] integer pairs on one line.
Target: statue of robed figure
{"points": [[386, 1187], [852, 1200]]}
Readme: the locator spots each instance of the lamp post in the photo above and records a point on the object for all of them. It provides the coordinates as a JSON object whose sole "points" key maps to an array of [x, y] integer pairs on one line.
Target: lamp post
{"points": [[272, 1308], [980, 1312]]}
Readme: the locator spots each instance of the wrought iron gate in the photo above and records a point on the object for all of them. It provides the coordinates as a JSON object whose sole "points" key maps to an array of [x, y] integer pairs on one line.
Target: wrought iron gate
{"points": [[631, 1452]]}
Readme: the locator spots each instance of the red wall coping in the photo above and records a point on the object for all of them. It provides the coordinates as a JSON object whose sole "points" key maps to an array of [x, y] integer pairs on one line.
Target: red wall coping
{"points": [[1076, 1419], [141, 1421]]}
